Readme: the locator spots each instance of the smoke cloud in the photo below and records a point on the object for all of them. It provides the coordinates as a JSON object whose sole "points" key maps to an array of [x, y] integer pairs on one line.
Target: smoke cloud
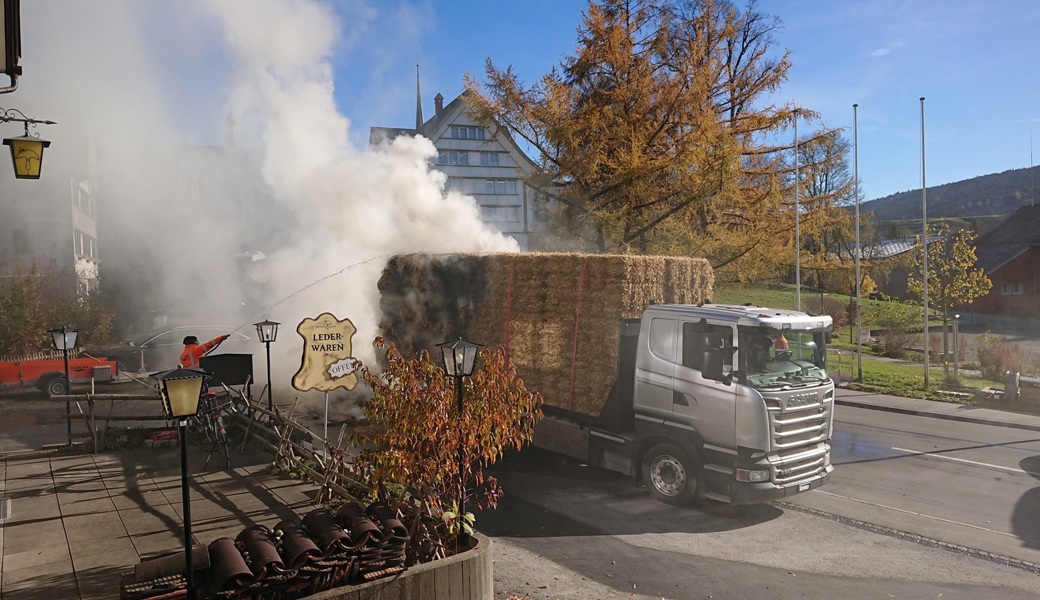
{"points": [[211, 131]]}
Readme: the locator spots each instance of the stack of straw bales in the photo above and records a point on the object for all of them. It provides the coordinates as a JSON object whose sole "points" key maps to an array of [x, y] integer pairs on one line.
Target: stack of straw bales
{"points": [[558, 315]]}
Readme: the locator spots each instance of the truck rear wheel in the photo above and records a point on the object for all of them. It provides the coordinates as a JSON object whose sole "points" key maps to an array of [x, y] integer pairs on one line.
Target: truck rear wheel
{"points": [[670, 474]]}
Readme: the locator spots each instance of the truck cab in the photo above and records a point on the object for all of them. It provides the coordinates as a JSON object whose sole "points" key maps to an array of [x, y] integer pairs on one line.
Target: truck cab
{"points": [[732, 403]]}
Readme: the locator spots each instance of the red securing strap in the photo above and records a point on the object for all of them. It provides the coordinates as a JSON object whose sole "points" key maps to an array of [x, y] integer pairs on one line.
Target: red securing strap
{"points": [[509, 304], [577, 321]]}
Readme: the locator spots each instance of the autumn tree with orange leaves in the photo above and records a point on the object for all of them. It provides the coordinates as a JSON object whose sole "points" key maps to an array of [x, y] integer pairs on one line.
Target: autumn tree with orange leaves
{"points": [[660, 134]]}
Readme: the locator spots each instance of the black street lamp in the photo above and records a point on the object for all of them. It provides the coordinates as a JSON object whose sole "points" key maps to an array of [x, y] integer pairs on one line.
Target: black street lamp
{"points": [[27, 150], [267, 331], [65, 340], [181, 390], [459, 358]]}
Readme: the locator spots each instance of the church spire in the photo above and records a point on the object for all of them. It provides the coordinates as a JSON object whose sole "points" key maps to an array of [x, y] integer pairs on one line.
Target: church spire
{"points": [[418, 101]]}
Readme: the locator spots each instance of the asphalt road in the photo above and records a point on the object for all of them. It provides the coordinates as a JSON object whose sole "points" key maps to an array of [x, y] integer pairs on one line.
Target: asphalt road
{"points": [[966, 484], [30, 421], [568, 531]]}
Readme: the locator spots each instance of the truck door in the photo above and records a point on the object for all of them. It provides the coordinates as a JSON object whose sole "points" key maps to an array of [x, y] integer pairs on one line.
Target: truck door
{"points": [[655, 364], [706, 405]]}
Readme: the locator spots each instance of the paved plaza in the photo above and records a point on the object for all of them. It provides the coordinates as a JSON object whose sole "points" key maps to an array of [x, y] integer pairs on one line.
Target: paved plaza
{"points": [[72, 524]]}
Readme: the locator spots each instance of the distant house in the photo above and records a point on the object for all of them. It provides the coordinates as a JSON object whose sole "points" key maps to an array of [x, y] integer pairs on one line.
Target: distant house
{"points": [[894, 283], [483, 162], [1009, 255]]}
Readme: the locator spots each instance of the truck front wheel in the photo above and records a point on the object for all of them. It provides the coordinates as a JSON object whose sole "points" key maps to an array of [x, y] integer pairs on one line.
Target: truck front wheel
{"points": [[670, 473]]}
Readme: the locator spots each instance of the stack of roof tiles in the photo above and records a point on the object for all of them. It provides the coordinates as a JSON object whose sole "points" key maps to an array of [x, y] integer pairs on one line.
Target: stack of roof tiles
{"points": [[295, 559]]}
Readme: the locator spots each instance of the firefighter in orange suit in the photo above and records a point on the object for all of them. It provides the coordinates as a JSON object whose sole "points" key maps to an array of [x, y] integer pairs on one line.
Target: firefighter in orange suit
{"points": [[193, 350]]}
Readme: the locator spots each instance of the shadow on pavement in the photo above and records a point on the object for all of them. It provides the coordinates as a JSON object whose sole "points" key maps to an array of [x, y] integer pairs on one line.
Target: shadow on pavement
{"points": [[1024, 523], [546, 495]]}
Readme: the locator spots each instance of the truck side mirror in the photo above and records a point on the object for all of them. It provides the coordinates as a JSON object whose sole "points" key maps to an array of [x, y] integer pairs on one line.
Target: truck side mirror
{"points": [[713, 365]]}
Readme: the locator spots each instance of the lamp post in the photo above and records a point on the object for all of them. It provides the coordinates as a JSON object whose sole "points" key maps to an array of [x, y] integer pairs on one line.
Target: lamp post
{"points": [[27, 150], [459, 358], [181, 389], [65, 339], [267, 332]]}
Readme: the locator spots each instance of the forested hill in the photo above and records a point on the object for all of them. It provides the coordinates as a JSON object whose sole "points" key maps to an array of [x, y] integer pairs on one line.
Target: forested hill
{"points": [[982, 198]]}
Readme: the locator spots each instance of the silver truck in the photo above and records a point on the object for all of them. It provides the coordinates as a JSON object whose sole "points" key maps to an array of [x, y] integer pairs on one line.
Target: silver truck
{"points": [[731, 403]]}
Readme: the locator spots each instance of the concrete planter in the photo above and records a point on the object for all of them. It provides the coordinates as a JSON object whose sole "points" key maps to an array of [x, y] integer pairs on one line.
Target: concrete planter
{"points": [[465, 576]]}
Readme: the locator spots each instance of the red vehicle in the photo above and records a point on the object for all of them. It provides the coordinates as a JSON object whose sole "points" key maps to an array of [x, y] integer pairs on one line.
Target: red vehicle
{"points": [[48, 374]]}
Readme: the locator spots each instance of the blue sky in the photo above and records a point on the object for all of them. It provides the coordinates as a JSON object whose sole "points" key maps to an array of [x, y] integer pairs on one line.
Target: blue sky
{"points": [[973, 61]]}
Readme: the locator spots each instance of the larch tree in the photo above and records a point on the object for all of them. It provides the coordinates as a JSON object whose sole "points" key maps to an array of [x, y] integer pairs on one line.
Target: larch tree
{"points": [[826, 188], [658, 134]]}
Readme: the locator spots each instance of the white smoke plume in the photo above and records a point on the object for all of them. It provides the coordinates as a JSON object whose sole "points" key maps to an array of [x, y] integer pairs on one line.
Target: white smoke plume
{"points": [[156, 87]]}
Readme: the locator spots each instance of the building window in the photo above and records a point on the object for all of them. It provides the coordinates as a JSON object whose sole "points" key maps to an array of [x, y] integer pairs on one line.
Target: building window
{"points": [[489, 159], [82, 200], [1011, 289], [453, 157], [500, 214], [86, 246], [500, 186], [467, 133]]}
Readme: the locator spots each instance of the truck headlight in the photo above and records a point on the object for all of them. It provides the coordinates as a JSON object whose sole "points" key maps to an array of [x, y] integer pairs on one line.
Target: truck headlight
{"points": [[752, 476]]}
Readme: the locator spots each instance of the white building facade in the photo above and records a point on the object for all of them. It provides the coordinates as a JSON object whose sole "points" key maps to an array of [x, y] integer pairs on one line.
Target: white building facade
{"points": [[482, 161], [50, 223]]}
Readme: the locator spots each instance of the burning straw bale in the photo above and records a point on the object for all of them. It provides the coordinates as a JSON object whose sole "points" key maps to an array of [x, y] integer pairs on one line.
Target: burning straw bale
{"points": [[556, 314]]}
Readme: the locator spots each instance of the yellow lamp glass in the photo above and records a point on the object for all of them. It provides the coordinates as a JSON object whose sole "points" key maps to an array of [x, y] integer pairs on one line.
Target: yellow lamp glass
{"points": [[27, 155], [182, 395]]}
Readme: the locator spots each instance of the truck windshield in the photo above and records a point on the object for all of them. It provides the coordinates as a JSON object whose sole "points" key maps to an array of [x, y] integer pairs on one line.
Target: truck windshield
{"points": [[778, 359]]}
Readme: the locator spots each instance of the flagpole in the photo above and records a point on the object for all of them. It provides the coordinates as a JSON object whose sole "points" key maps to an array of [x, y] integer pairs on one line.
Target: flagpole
{"points": [[859, 251], [925, 238]]}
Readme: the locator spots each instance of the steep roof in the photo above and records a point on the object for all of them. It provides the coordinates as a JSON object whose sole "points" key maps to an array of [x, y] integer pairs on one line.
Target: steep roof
{"points": [[434, 126], [1017, 233], [427, 129], [376, 135], [434, 123]]}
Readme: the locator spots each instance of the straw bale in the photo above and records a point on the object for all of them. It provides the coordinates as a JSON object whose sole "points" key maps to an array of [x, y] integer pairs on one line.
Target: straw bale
{"points": [[688, 281], [558, 314]]}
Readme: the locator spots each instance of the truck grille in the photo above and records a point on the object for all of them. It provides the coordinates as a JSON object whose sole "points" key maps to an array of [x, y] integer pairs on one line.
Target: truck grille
{"points": [[799, 425], [808, 464]]}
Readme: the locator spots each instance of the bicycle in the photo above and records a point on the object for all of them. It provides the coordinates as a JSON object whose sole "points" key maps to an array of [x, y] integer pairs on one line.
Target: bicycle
{"points": [[206, 429]]}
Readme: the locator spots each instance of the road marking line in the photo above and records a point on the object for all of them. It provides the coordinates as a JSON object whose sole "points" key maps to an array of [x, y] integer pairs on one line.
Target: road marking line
{"points": [[970, 462], [917, 514]]}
